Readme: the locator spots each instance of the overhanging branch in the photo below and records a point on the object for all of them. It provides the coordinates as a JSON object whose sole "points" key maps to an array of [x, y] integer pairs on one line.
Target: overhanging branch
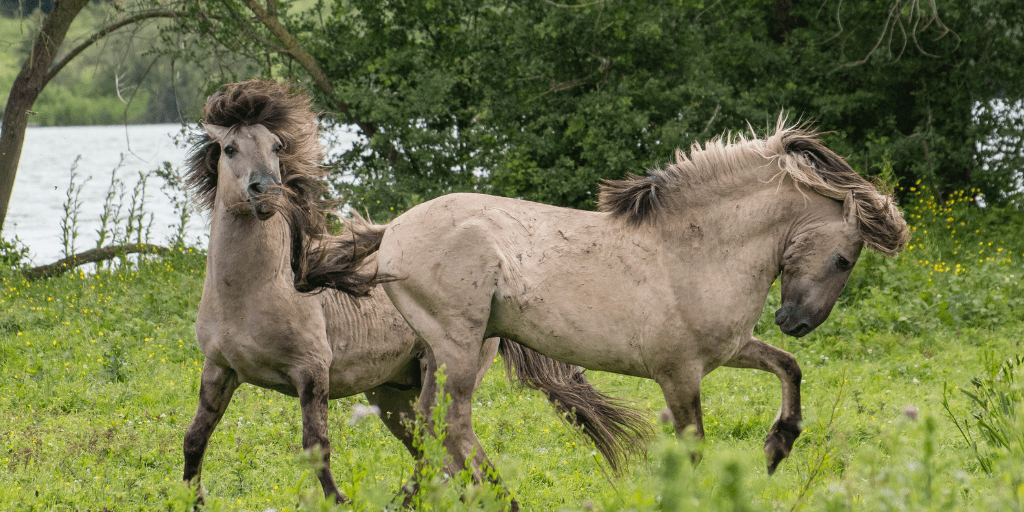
{"points": [[105, 31]]}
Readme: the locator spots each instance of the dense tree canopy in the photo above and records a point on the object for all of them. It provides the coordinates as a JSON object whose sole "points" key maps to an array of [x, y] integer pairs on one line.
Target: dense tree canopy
{"points": [[540, 100]]}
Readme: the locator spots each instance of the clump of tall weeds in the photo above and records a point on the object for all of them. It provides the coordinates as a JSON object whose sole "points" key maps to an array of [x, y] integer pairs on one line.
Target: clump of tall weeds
{"points": [[72, 205], [997, 400]]}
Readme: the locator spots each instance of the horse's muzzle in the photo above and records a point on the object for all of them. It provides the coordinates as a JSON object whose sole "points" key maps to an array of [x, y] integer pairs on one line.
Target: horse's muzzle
{"points": [[263, 196], [791, 322]]}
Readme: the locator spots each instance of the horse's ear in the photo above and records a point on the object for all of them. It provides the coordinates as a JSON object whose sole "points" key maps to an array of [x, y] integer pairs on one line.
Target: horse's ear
{"points": [[850, 209], [217, 133]]}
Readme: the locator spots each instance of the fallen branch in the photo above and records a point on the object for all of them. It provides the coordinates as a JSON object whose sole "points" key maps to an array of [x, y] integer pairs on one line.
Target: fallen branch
{"points": [[91, 256]]}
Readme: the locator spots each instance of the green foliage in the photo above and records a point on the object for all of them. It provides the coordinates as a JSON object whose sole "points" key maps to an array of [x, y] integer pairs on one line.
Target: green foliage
{"points": [[998, 403], [542, 100], [13, 253]]}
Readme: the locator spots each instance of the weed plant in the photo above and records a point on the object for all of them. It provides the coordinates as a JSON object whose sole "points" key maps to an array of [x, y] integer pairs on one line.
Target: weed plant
{"points": [[181, 199], [110, 219], [71, 207], [100, 378]]}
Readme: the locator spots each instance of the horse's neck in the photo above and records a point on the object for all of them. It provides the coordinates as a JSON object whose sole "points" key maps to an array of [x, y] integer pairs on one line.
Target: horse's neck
{"points": [[746, 221], [247, 251]]}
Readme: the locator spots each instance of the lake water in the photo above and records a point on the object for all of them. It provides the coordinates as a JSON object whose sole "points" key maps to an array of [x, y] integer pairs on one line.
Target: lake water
{"points": [[40, 190]]}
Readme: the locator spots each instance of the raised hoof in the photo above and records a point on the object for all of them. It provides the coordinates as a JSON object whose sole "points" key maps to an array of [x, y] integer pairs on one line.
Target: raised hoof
{"points": [[778, 444]]}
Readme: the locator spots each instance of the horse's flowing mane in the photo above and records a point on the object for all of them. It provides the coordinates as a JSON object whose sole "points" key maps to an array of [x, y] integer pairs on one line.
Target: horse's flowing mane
{"points": [[799, 153], [286, 114]]}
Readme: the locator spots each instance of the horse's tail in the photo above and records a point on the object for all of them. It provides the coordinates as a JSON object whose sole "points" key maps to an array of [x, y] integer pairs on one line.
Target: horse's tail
{"points": [[619, 431], [329, 261]]}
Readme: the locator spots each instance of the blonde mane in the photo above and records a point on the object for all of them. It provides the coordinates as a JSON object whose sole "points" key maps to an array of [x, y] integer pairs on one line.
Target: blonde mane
{"points": [[799, 153]]}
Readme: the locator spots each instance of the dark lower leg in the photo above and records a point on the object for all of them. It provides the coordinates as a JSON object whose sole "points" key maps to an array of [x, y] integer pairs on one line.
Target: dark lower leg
{"points": [[786, 428], [215, 391], [397, 411], [313, 394]]}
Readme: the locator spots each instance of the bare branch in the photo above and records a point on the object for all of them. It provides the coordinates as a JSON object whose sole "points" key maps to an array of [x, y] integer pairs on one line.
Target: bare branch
{"points": [[91, 256], [919, 19], [885, 29], [246, 24], [297, 52], [103, 32]]}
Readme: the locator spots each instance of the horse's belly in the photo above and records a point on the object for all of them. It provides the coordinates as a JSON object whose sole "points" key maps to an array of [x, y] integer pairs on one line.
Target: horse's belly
{"points": [[358, 370], [585, 337]]}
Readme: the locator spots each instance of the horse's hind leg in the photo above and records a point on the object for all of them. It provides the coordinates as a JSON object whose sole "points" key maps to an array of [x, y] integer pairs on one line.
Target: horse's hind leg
{"points": [[760, 355], [456, 344], [681, 387], [397, 410], [217, 385], [314, 387]]}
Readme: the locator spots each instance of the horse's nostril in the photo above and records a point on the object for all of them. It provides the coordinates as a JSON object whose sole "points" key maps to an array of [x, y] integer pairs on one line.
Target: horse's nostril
{"points": [[781, 314], [256, 188]]}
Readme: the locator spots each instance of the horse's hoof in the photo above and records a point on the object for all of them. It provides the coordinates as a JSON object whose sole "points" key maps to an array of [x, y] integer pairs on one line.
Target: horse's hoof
{"points": [[341, 498], [778, 444], [513, 505]]}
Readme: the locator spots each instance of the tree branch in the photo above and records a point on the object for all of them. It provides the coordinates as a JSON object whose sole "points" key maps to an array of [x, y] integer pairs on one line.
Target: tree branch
{"points": [[885, 29], [91, 256], [293, 48], [103, 32]]}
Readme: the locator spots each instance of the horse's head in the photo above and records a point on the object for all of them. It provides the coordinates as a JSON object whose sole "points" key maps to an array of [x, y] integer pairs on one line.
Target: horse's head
{"points": [[248, 168], [815, 266]]}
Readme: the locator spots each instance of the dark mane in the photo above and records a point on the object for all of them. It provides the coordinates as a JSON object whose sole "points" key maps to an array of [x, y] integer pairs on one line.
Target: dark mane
{"points": [[799, 153], [282, 111], [635, 198], [882, 226]]}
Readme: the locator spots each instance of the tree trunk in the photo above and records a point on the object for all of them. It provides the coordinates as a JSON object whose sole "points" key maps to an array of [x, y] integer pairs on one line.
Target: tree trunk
{"points": [[30, 82], [42, 65]]}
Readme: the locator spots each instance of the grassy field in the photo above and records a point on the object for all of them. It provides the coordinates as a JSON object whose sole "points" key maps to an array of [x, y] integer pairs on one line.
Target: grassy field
{"points": [[100, 378]]}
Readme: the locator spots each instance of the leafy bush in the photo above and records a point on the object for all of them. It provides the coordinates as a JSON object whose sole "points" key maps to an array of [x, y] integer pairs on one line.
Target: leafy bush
{"points": [[13, 253]]}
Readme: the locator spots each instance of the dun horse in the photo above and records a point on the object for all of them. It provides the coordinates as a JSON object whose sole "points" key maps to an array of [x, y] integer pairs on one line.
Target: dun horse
{"points": [[665, 282], [261, 155]]}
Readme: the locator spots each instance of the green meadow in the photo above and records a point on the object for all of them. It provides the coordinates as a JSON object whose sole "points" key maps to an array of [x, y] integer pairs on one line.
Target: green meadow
{"points": [[912, 401]]}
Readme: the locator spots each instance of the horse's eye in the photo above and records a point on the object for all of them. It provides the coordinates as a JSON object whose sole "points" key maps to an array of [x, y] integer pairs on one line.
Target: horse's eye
{"points": [[230, 151], [843, 264], [277, 147]]}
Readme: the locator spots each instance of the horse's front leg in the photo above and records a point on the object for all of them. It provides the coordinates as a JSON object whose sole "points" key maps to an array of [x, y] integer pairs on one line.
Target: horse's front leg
{"points": [[314, 388], [216, 387], [760, 355]]}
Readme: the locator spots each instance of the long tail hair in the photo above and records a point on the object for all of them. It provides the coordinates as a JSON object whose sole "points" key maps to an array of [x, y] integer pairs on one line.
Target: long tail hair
{"points": [[346, 270], [618, 431]]}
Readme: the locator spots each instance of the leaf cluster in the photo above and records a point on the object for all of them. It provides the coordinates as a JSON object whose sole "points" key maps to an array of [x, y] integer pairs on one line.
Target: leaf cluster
{"points": [[541, 100]]}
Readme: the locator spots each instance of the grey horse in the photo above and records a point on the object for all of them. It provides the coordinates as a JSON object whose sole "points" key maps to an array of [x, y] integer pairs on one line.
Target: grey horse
{"points": [[666, 282]]}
